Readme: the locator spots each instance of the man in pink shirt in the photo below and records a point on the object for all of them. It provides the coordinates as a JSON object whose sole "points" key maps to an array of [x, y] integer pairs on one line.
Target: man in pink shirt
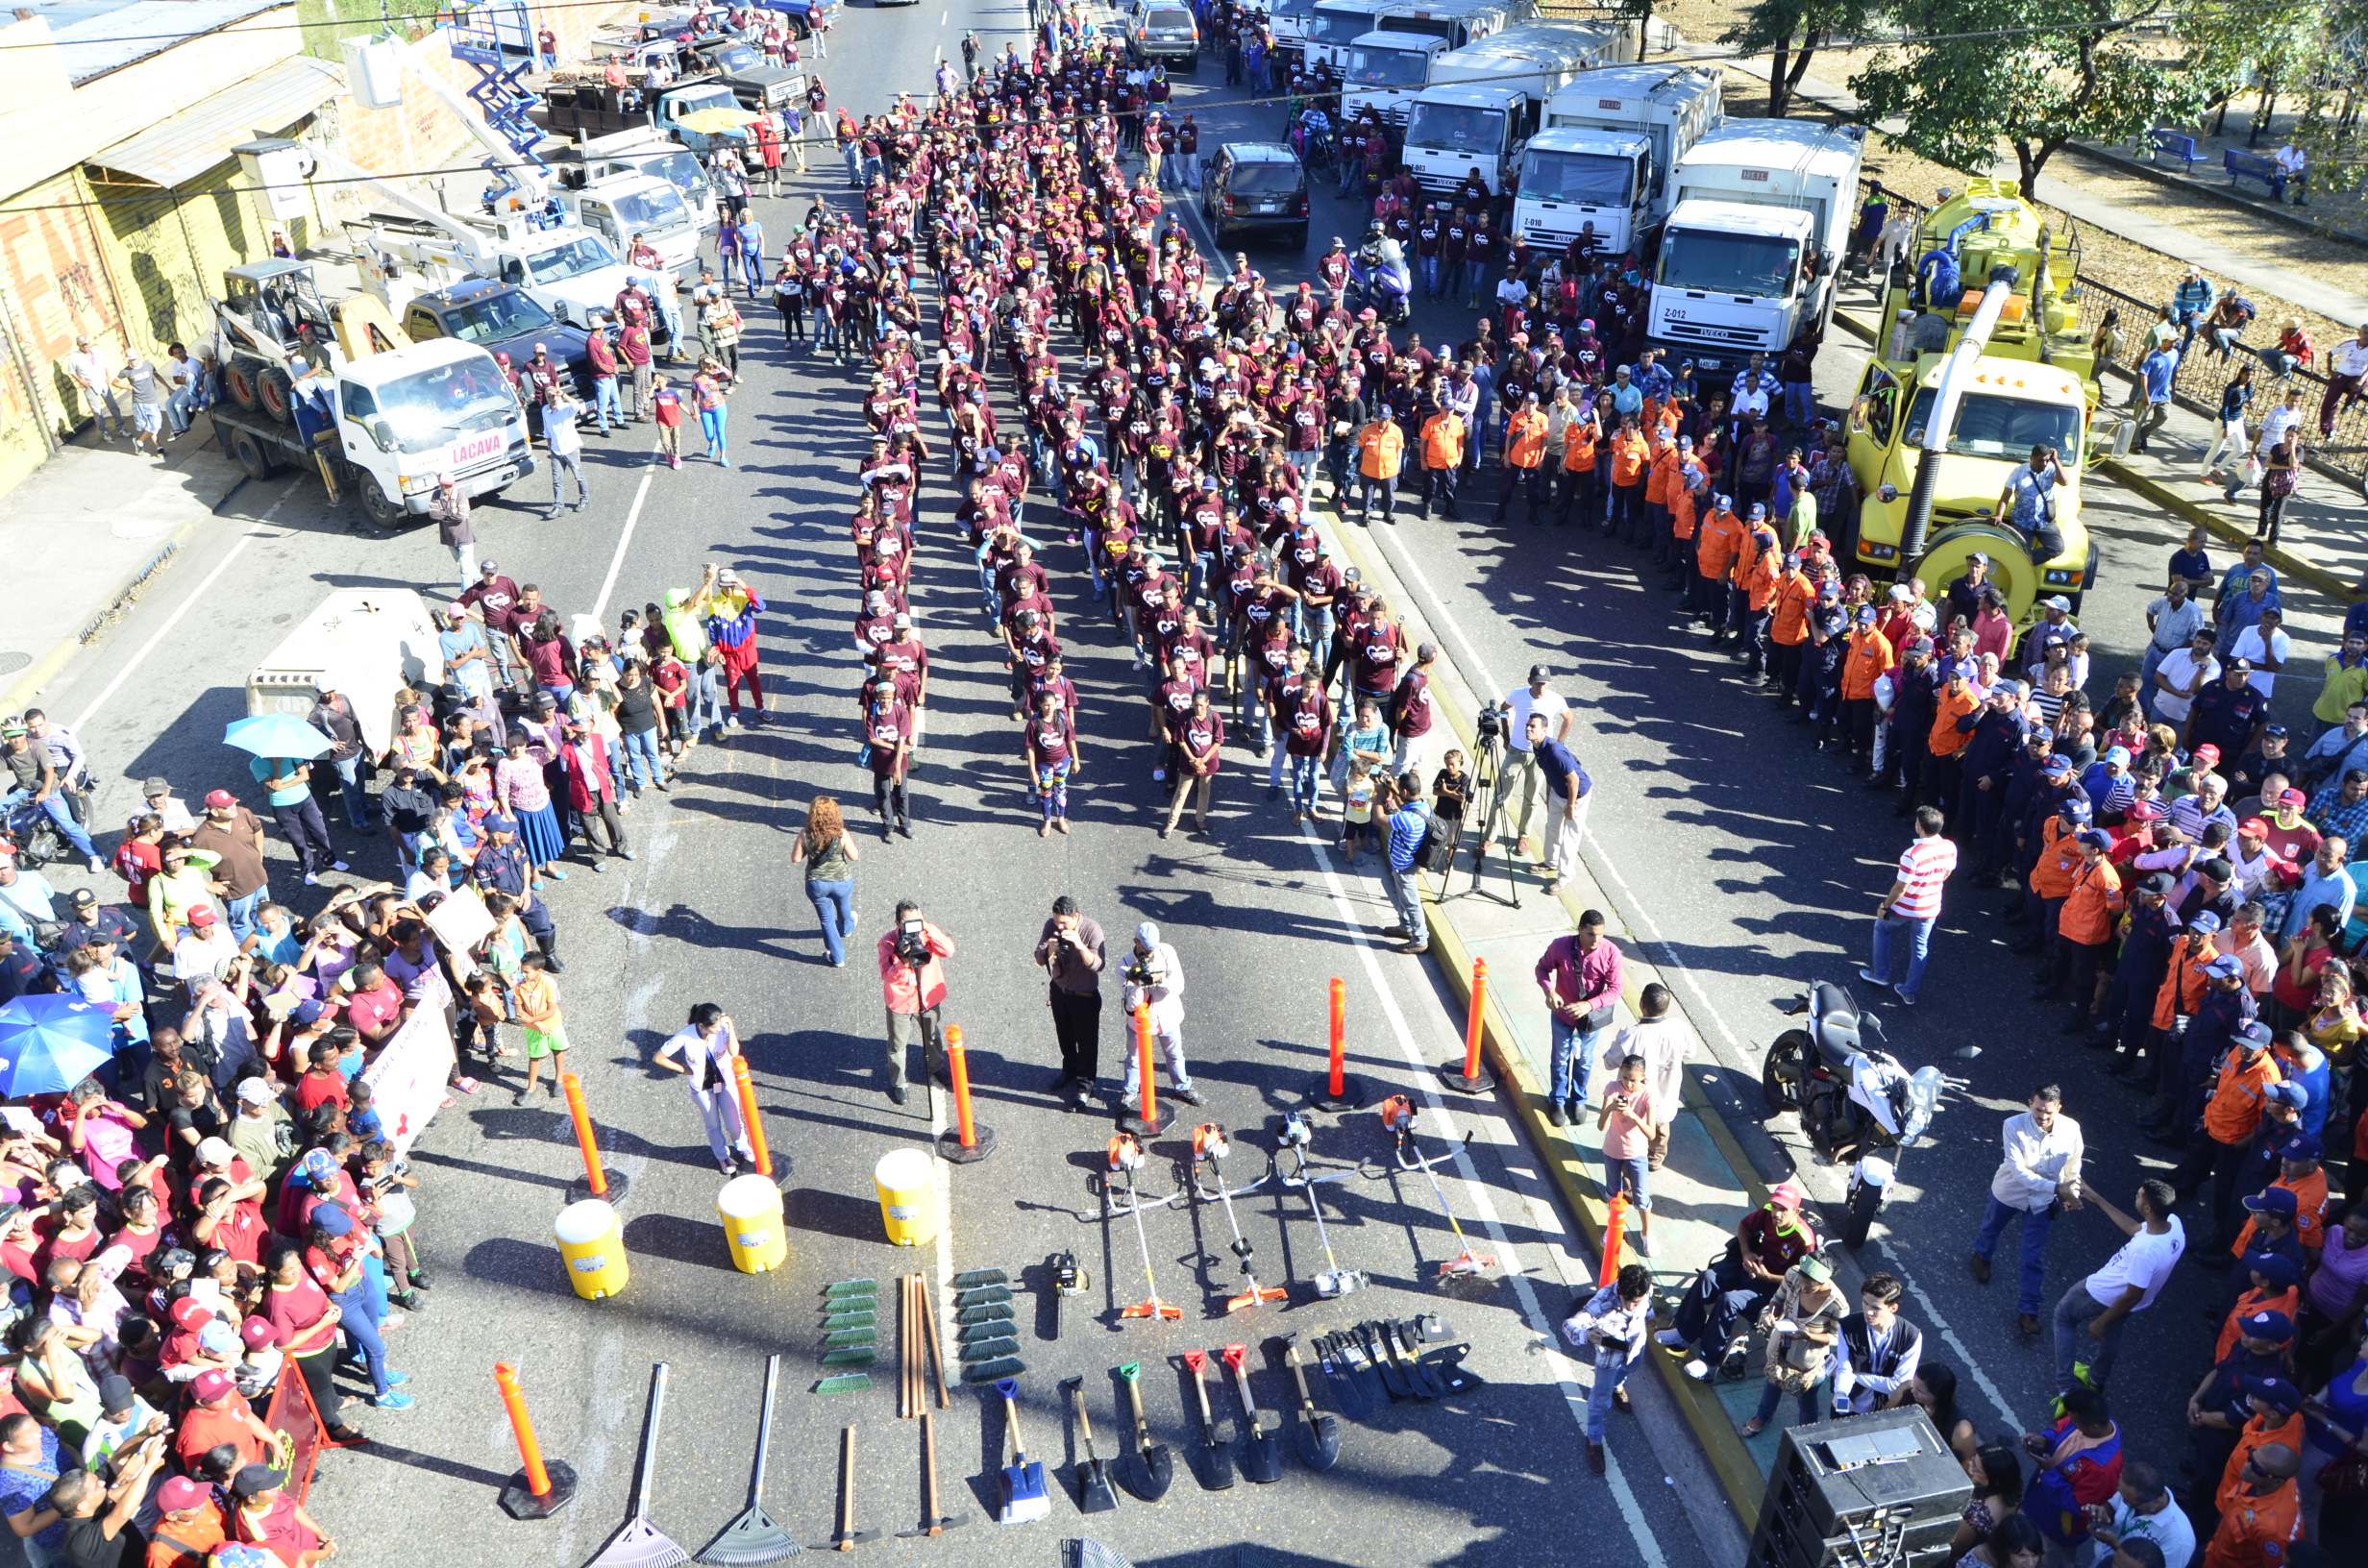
{"points": [[1580, 976]]}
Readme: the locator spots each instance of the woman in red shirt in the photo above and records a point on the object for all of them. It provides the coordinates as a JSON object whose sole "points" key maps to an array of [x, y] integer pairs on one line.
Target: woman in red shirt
{"points": [[1199, 737], [304, 1322]]}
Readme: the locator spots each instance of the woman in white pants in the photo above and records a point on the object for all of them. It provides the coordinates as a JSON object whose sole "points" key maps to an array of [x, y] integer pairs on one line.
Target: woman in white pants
{"points": [[2234, 399], [703, 1052]]}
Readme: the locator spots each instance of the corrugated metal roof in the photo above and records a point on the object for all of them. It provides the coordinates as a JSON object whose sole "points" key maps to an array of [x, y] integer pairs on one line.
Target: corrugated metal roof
{"points": [[195, 140], [96, 36]]}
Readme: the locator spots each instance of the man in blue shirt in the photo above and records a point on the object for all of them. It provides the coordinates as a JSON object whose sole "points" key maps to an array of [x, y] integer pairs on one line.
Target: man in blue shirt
{"points": [[502, 866], [1567, 788], [1408, 824], [2154, 375]]}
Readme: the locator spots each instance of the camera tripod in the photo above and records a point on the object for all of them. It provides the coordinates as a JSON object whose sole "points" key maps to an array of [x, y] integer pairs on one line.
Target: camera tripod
{"points": [[1488, 769]]}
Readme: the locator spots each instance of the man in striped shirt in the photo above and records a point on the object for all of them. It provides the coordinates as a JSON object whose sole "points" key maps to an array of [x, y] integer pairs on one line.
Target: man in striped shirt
{"points": [[1907, 913]]}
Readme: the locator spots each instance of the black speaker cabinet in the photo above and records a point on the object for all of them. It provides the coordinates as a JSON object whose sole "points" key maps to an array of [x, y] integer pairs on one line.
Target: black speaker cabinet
{"points": [[1871, 1491]]}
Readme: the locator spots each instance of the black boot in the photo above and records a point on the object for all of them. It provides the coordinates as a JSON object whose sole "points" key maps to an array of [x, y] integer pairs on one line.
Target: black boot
{"points": [[548, 942]]}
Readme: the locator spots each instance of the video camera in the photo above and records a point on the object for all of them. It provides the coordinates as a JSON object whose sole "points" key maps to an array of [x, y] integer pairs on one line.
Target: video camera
{"points": [[1490, 724], [913, 942]]}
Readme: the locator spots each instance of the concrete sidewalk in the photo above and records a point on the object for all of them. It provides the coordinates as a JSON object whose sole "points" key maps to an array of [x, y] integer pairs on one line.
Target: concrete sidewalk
{"points": [[85, 534]]}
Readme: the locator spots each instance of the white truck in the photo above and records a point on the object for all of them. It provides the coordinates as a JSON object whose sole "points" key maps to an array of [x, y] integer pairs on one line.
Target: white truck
{"points": [[1383, 70], [1334, 27], [1604, 158], [367, 643], [1760, 214], [382, 426], [621, 205], [1486, 99], [645, 150]]}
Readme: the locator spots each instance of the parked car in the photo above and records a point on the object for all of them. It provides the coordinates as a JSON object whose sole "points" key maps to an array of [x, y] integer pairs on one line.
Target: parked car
{"points": [[1255, 187], [1166, 33], [501, 318]]}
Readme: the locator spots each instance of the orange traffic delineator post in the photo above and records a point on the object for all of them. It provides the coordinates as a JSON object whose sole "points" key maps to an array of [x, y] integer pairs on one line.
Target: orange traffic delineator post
{"points": [[1150, 1121], [1336, 1088], [965, 1142], [1469, 1076], [599, 1182], [743, 1090], [542, 1486], [1615, 1240]]}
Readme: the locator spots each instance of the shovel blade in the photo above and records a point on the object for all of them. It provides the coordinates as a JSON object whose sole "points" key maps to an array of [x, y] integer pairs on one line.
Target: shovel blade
{"points": [[1262, 1459], [1216, 1466], [1024, 1492], [1320, 1440], [1095, 1493], [1152, 1474], [750, 1539]]}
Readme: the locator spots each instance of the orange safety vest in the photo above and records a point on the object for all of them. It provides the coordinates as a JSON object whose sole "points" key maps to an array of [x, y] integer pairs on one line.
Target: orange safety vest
{"points": [[1759, 584], [1579, 438], [2309, 1214], [1442, 440], [1526, 439], [2238, 1092], [1662, 478], [1628, 455], [1868, 659], [2059, 856], [1681, 512], [1380, 448], [1747, 556], [1946, 739], [2182, 988], [2095, 902]]}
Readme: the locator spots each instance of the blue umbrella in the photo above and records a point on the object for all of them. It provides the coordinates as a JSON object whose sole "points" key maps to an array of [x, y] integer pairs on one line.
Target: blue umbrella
{"points": [[276, 735], [50, 1043]]}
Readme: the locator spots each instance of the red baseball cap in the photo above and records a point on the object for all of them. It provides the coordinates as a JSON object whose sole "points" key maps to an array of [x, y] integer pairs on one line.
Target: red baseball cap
{"points": [[257, 1333], [180, 1492], [2255, 826], [202, 915], [191, 1313], [211, 1385], [221, 800], [2293, 798], [2207, 749]]}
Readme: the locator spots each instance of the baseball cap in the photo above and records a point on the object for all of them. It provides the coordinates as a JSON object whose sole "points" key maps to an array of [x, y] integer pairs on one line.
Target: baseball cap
{"points": [[2226, 966], [220, 799], [2204, 754], [2253, 828], [1538, 672], [2289, 1094], [252, 1479], [501, 822], [215, 1151], [2162, 884], [2205, 923], [332, 1219], [2117, 753], [2293, 798], [1866, 615], [2096, 837], [2277, 732], [1425, 651], [2277, 1393], [190, 1313], [213, 1383], [1788, 1196], [218, 1338], [257, 1332], [156, 786], [254, 1091], [180, 1492], [1977, 558], [1815, 1269], [84, 898], [2058, 765], [903, 622], [202, 915], [2300, 1146], [2076, 809], [2267, 1325], [2059, 602], [116, 1396], [2279, 1270], [2255, 1036]]}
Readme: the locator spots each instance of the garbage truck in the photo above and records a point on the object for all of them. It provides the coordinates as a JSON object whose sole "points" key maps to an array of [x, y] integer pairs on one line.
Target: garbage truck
{"points": [[1980, 357], [1610, 141], [1760, 217], [367, 644]]}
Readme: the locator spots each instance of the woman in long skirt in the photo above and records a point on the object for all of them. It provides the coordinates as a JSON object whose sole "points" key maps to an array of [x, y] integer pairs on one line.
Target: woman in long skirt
{"points": [[518, 783]]}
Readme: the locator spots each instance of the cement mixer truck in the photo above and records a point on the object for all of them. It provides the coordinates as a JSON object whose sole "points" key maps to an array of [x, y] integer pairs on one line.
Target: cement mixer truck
{"points": [[1981, 356]]}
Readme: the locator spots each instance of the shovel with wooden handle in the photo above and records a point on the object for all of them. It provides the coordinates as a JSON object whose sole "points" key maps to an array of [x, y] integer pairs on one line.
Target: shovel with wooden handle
{"points": [[1217, 1472], [1262, 1453], [1095, 1493], [1319, 1435], [1154, 1467]]}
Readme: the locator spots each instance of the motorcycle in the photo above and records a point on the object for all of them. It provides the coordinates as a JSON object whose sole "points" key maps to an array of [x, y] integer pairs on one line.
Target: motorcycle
{"points": [[38, 840], [1855, 1103], [1380, 279]]}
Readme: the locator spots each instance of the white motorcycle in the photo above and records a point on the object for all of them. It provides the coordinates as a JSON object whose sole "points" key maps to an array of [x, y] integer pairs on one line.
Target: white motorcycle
{"points": [[1855, 1103]]}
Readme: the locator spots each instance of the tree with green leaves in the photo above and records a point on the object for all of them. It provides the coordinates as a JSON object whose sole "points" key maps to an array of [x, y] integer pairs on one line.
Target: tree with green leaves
{"points": [[2034, 74], [1791, 32]]}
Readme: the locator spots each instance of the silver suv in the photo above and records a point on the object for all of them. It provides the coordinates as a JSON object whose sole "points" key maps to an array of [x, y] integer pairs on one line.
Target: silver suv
{"points": [[1166, 33]]}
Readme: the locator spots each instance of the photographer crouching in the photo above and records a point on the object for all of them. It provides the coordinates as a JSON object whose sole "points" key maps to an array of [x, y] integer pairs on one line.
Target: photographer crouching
{"points": [[1154, 978], [913, 983]]}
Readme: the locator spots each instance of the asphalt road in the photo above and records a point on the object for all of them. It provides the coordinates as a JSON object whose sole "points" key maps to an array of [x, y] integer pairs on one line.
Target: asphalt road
{"points": [[1749, 866], [712, 910]]}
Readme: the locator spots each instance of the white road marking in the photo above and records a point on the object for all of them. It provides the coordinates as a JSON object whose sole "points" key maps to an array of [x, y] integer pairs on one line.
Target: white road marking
{"points": [[616, 562], [1534, 1315], [254, 532]]}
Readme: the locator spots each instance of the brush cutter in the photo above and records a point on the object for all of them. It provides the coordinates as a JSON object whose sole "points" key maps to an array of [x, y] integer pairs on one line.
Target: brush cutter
{"points": [[932, 1522], [1333, 1281], [1209, 1147], [1125, 1153], [638, 1545], [1397, 1115], [1154, 1468], [1219, 1472], [1319, 1435], [1023, 1478], [1095, 1493], [754, 1537], [1262, 1453]]}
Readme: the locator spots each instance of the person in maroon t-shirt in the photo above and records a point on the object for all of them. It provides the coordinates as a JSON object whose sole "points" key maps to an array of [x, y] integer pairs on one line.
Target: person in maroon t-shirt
{"points": [[1048, 746], [1306, 724], [888, 736], [1196, 737]]}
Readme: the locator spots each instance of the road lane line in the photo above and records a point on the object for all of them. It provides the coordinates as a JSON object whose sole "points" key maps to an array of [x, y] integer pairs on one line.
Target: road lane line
{"points": [[1483, 1206], [254, 532], [616, 562]]}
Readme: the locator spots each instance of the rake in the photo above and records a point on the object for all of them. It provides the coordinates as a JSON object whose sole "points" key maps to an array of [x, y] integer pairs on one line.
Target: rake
{"points": [[639, 1545], [754, 1537]]}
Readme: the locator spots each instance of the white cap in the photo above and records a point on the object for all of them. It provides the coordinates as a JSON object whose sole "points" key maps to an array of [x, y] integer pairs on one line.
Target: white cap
{"points": [[254, 1091], [1147, 934], [214, 1151]]}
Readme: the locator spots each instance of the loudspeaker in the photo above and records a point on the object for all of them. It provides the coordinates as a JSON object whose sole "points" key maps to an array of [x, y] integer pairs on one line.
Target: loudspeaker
{"points": [[1868, 1491]]}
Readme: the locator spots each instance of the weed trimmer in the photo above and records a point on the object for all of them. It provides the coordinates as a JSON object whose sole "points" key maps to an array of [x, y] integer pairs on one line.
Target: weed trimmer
{"points": [[1209, 1146], [1125, 1153], [1397, 1115], [1334, 1280], [754, 1537]]}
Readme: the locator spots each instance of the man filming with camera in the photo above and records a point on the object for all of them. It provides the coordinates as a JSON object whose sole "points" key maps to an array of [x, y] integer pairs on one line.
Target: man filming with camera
{"points": [[913, 983], [1154, 978], [1517, 787]]}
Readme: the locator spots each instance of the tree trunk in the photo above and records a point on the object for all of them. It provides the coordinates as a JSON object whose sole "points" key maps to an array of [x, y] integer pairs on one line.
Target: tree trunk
{"points": [[1801, 57], [2030, 158], [1779, 90]]}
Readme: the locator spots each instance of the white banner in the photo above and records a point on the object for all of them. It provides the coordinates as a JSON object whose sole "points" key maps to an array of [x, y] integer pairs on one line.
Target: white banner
{"points": [[408, 1080]]}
